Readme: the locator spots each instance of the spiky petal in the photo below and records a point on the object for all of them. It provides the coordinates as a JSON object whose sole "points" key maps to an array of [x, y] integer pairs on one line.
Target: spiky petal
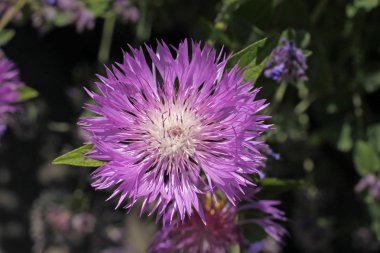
{"points": [[9, 85]]}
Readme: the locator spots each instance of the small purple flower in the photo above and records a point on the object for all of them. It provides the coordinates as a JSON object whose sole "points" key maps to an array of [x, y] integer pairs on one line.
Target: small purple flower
{"points": [[70, 11], [125, 10], [286, 63], [9, 85], [371, 183], [222, 231], [176, 129]]}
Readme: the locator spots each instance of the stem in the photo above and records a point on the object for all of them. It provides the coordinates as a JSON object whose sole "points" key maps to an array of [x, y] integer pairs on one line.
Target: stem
{"points": [[106, 41], [9, 15], [278, 96], [221, 20], [318, 11]]}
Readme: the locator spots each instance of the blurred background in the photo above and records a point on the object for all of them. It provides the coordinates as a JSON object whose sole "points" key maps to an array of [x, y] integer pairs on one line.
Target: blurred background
{"points": [[327, 129]]}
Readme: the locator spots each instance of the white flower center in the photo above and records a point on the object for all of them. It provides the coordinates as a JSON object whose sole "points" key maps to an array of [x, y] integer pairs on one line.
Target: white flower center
{"points": [[172, 131]]}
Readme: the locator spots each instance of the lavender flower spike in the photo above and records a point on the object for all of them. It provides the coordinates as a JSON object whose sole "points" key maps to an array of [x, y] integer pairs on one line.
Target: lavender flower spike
{"points": [[9, 84], [222, 231], [286, 63], [172, 131]]}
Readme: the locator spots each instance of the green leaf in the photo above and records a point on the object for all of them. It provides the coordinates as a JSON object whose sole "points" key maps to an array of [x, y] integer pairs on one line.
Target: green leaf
{"points": [[6, 36], [365, 158], [97, 7], [281, 183], [345, 140], [307, 53], [371, 81], [373, 133], [77, 157], [254, 57], [27, 93]]}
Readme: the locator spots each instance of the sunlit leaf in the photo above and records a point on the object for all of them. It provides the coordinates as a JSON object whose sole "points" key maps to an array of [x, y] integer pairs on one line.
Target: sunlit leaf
{"points": [[77, 157], [27, 93], [254, 57]]}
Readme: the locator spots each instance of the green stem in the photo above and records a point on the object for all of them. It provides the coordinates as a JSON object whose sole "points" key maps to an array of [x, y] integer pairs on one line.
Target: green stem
{"points": [[278, 96], [107, 34], [9, 15]]}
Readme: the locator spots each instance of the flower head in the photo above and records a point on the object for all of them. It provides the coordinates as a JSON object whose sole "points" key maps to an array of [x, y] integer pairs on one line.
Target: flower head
{"points": [[222, 231], [286, 63], [9, 85], [175, 130]]}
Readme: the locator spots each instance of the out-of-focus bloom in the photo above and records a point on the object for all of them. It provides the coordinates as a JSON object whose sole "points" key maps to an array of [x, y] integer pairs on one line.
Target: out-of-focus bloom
{"points": [[222, 231], [4, 6], [125, 10], [172, 131], [62, 12], [83, 223], [59, 218], [9, 85], [54, 223], [287, 63], [371, 183], [268, 245]]}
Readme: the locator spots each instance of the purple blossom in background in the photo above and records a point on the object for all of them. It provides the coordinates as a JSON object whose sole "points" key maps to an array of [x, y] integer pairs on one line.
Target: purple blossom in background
{"points": [[71, 11], [9, 85], [222, 231], [287, 63], [176, 129], [4, 6], [371, 183], [125, 10]]}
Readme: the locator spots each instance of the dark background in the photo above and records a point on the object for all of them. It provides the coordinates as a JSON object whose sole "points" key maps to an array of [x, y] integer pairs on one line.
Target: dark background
{"points": [[325, 213]]}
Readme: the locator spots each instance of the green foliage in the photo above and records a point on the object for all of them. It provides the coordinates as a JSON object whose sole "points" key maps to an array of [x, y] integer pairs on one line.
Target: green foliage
{"points": [[371, 81], [6, 36], [27, 93], [345, 142], [77, 157], [97, 7], [365, 158], [373, 133], [283, 184], [254, 57]]}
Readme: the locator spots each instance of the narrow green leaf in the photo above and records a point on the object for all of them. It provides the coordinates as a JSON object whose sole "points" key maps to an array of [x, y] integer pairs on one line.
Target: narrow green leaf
{"points": [[6, 36], [282, 183], [27, 93], [254, 57], [77, 157]]}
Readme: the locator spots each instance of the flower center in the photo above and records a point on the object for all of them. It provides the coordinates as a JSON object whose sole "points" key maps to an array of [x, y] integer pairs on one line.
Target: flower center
{"points": [[172, 131], [175, 131]]}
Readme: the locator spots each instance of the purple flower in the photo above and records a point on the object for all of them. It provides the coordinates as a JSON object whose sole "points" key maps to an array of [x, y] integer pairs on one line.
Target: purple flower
{"points": [[176, 129], [125, 10], [9, 85], [286, 63], [371, 183], [45, 14], [222, 231]]}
